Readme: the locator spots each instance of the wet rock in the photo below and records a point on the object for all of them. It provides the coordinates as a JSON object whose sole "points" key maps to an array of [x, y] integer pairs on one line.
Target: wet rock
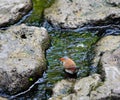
{"points": [[76, 13], [22, 58], [12, 11]]}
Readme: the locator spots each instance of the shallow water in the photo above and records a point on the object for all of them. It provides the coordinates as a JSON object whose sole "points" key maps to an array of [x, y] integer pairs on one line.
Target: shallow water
{"points": [[76, 44], [73, 44]]}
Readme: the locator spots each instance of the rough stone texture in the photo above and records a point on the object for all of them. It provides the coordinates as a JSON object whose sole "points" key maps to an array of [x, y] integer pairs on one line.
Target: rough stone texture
{"points": [[79, 90], [110, 63], [93, 87], [1, 98], [62, 88], [75, 13], [12, 11], [108, 43], [22, 56], [85, 85], [114, 2]]}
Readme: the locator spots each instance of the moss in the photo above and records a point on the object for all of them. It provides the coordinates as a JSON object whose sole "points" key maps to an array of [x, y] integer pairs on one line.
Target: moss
{"points": [[37, 13], [30, 79]]}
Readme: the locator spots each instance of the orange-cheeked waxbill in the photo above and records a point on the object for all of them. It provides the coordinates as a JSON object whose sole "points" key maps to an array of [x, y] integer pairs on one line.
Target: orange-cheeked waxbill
{"points": [[69, 65]]}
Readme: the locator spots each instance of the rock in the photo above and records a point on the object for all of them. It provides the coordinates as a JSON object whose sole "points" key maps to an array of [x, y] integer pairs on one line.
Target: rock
{"points": [[79, 90], [110, 63], [73, 96], [22, 58], [1, 98], [76, 13], [107, 43], [83, 86], [12, 11], [62, 88], [114, 2]]}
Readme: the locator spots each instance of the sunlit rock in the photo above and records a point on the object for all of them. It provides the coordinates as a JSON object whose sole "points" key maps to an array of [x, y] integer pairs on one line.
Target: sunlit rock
{"points": [[76, 13], [62, 88], [109, 61], [83, 86], [1, 98], [22, 57], [108, 43], [12, 11], [77, 90], [114, 2]]}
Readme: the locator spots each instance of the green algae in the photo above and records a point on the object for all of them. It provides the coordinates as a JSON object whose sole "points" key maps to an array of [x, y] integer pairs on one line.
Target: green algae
{"points": [[37, 13]]}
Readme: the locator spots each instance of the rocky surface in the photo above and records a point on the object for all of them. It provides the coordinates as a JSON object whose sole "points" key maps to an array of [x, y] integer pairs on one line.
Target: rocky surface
{"points": [[12, 11], [114, 2], [108, 43], [63, 87], [108, 58], [78, 90], [1, 98], [97, 87], [76, 13], [22, 58]]}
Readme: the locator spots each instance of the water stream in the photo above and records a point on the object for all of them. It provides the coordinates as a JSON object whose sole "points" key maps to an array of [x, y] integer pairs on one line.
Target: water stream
{"points": [[77, 44]]}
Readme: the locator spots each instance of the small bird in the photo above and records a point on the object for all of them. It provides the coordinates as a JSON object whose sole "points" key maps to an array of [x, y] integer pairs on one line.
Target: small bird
{"points": [[69, 66]]}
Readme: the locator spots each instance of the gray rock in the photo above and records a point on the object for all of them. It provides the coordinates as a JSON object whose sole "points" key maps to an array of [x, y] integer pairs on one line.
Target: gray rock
{"points": [[107, 43], [22, 58], [12, 11], [1, 98], [69, 97], [62, 88], [80, 89], [114, 2], [76, 13], [110, 63], [83, 86]]}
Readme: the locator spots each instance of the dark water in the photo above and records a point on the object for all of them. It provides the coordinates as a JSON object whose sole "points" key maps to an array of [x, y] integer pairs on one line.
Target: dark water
{"points": [[76, 44]]}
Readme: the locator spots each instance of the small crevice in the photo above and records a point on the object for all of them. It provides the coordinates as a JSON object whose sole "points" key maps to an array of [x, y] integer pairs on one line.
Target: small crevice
{"points": [[23, 36]]}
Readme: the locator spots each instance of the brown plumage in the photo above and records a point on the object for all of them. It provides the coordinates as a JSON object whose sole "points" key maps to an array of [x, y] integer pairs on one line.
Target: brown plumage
{"points": [[69, 65]]}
